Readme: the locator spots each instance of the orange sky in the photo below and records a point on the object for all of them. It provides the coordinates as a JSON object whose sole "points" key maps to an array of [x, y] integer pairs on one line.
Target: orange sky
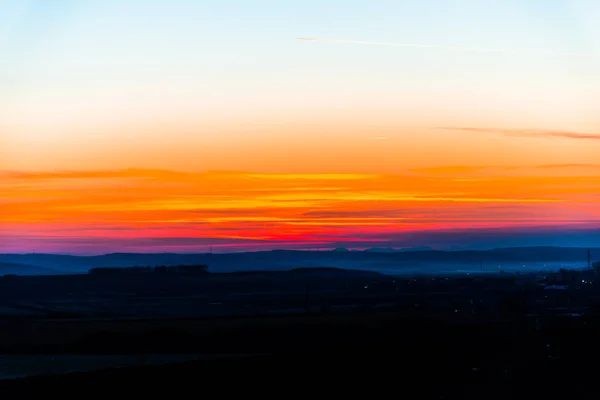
{"points": [[153, 210]]}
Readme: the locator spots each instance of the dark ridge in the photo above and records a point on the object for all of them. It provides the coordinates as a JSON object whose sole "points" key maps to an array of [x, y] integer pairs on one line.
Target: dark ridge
{"points": [[425, 260]]}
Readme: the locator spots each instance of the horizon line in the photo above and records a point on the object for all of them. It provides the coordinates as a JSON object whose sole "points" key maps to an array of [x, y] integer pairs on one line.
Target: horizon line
{"points": [[397, 249]]}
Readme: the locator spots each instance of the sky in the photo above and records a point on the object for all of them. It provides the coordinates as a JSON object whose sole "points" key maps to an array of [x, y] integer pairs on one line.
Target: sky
{"points": [[174, 125]]}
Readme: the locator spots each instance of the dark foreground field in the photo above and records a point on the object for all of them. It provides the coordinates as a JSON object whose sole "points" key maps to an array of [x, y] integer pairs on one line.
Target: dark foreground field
{"points": [[307, 333], [372, 353]]}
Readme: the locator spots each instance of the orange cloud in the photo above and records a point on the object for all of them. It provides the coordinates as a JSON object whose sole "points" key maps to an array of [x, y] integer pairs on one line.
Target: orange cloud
{"points": [[556, 166], [154, 208], [449, 170], [487, 172], [530, 133]]}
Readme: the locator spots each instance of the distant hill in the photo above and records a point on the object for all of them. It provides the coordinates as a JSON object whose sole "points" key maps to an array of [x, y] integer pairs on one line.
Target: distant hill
{"points": [[392, 250], [413, 261], [420, 248], [380, 250], [23, 269]]}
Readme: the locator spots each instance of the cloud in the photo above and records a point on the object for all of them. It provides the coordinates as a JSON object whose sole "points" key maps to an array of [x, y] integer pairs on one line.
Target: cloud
{"points": [[450, 169], [125, 173], [481, 238], [470, 169], [452, 48], [529, 133], [320, 177], [87, 211], [552, 166]]}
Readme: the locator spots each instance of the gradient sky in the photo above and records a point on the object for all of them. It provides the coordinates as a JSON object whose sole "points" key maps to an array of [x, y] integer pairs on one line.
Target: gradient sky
{"points": [[170, 125]]}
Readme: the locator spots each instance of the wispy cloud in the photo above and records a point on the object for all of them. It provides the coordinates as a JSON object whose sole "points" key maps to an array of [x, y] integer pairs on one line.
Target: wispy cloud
{"points": [[541, 133], [473, 169], [109, 174], [449, 169], [452, 48], [558, 166], [153, 209]]}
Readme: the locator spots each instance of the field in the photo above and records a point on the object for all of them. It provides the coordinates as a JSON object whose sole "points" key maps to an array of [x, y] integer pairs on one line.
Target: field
{"points": [[472, 336]]}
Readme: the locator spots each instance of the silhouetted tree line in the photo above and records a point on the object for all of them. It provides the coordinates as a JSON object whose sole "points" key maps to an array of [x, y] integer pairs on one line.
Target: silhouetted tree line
{"points": [[185, 270]]}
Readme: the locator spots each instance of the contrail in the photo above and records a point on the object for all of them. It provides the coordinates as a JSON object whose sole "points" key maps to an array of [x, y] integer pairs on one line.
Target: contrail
{"points": [[456, 48]]}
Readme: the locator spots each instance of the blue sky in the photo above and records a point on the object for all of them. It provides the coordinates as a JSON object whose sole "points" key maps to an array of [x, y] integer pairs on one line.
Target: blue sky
{"points": [[258, 37], [90, 86], [83, 70]]}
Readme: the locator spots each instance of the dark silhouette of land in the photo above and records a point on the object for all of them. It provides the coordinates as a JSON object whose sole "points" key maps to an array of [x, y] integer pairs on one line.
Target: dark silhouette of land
{"points": [[175, 327], [408, 261]]}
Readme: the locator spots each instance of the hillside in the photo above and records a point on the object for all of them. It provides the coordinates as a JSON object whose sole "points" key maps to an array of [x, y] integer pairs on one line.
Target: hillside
{"points": [[428, 261], [24, 269]]}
